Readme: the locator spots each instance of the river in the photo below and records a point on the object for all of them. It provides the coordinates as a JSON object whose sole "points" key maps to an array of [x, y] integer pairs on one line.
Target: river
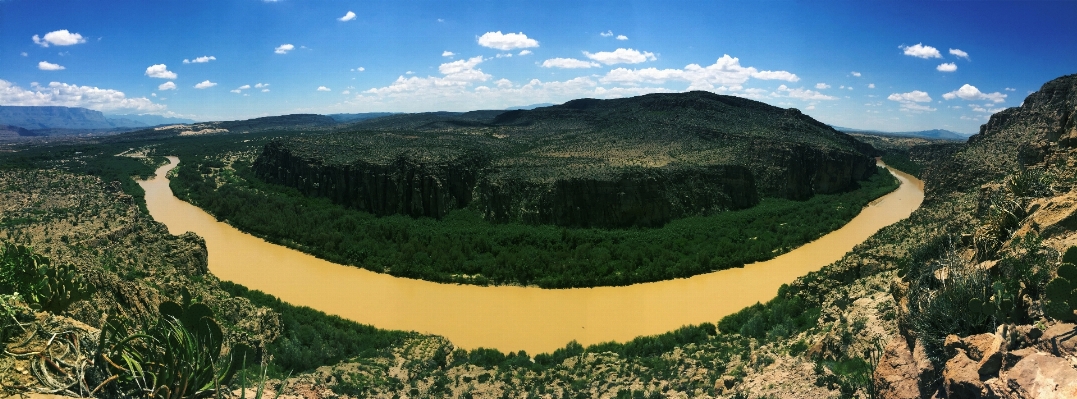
{"points": [[510, 318]]}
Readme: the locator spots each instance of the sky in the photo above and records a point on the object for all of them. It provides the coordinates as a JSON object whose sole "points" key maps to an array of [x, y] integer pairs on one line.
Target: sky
{"points": [[890, 66]]}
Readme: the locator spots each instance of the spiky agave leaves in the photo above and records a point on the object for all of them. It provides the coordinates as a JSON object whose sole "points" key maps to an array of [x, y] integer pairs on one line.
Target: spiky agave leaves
{"points": [[179, 357], [1060, 300]]}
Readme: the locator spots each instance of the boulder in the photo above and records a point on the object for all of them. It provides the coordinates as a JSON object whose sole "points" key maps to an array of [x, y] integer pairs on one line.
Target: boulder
{"points": [[960, 377], [1060, 340], [1042, 376], [925, 370], [896, 374]]}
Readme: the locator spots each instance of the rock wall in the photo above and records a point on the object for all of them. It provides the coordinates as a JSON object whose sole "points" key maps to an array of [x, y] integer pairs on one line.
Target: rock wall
{"points": [[800, 172], [634, 197]]}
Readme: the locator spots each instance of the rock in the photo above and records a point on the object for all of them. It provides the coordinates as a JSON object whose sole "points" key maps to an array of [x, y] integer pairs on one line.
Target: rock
{"points": [[925, 370], [977, 345], [1009, 359], [1060, 340], [952, 344], [1042, 376], [990, 356], [960, 377], [896, 374]]}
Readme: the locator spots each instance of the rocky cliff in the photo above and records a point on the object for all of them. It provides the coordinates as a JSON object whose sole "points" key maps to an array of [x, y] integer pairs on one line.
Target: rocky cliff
{"points": [[640, 161]]}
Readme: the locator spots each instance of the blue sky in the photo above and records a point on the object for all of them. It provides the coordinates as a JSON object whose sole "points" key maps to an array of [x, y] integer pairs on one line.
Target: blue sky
{"points": [[874, 65]]}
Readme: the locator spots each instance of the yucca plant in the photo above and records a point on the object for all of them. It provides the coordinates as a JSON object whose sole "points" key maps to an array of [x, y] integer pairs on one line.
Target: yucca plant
{"points": [[178, 357]]}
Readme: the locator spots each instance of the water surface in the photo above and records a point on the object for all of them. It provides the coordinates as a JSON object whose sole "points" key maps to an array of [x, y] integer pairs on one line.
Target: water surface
{"points": [[510, 318]]}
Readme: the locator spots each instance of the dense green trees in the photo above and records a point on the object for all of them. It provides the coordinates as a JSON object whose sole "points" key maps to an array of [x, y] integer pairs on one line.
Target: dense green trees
{"points": [[464, 248]]}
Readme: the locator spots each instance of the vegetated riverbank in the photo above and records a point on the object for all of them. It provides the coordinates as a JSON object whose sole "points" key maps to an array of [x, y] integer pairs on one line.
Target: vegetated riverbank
{"points": [[464, 248]]}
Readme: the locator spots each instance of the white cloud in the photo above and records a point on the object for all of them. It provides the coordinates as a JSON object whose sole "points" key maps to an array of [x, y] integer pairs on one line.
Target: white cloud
{"points": [[261, 85], [524, 52], [871, 85], [947, 67], [360, 69], [912, 96], [978, 108], [323, 88], [822, 86], [409, 73], [347, 17], [916, 107], [200, 60], [971, 93], [921, 51], [447, 53], [48, 66], [284, 48], [622, 37], [959, 54], [240, 89], [855, 73], [726, 72], [568, 63], [155, 94], [59, 38], [236, 91], [503, 55], [167, 86], [265, 90], [508, 41], [160, 71], [1010, 89], [802, 94], [24, 54], [205, 84], [621, 56], [67, 95], [346, 92], [459, 73], [503, 83], [607, 33]]}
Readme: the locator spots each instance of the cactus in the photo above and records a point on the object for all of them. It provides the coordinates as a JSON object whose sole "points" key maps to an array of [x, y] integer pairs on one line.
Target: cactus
{"points": [[63, 286], [43, 286], [1061, 294], [1000, 306]]}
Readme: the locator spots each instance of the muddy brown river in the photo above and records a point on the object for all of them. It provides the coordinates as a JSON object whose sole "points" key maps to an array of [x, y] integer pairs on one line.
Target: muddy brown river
{"points": [[510, 318]]}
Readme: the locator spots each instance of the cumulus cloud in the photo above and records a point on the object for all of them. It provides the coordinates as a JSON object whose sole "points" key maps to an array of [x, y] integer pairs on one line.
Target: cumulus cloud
{"points": [[568, 63], [959, 54], [59, 38], [160, 71], [909, 100], [822, 86], [725, 72], [323, 88], [68, 95], [971, 93], [1010, 89], [608, 33], [871, 85], [921, 51], [447, 53], [205, 85], [456, 74], [802, 94], [24, 54], [855, 73], [947, 67], [912, 96], [240, 89], [503, 55], [347, 17], [48, 66], [622, 37], [506, 41], [524, 52], [621, 56], [284, 48], [200, 60], [167, 86], [265, 90], [261, 85]]}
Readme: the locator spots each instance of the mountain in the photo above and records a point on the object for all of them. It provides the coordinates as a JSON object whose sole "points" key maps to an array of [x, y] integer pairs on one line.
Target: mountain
{"points": [[940, 134], [639, 161], [60, 118], [528, 107], [359, 117], [140, 120], [8, 131]]}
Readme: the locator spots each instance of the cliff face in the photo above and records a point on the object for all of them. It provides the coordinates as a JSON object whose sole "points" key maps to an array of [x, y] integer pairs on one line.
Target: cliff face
{"points": [[639, 161]]}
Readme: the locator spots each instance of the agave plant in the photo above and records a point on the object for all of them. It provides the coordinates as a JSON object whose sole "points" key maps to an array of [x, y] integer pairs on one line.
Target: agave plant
{"points": [[178, 357]]}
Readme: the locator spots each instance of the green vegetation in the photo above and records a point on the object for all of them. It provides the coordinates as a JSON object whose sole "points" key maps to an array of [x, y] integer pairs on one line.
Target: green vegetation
{"points": [[43, 286], [310, 338], [465, 248], [900, 160], [178, 357], [1061, 293], [781, 317]]}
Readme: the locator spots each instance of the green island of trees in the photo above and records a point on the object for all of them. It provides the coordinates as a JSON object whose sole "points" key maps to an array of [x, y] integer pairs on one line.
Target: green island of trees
{"points": [[465, 248]]}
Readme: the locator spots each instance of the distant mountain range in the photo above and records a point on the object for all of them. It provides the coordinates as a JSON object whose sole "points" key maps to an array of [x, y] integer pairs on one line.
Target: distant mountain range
{"points": [[529, 107], [940, 134], [70, 118], [359, 117]]}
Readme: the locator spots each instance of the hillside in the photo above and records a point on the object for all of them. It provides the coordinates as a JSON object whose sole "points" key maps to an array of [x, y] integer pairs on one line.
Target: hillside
{"points": [[641, 161], [61, 118]]}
